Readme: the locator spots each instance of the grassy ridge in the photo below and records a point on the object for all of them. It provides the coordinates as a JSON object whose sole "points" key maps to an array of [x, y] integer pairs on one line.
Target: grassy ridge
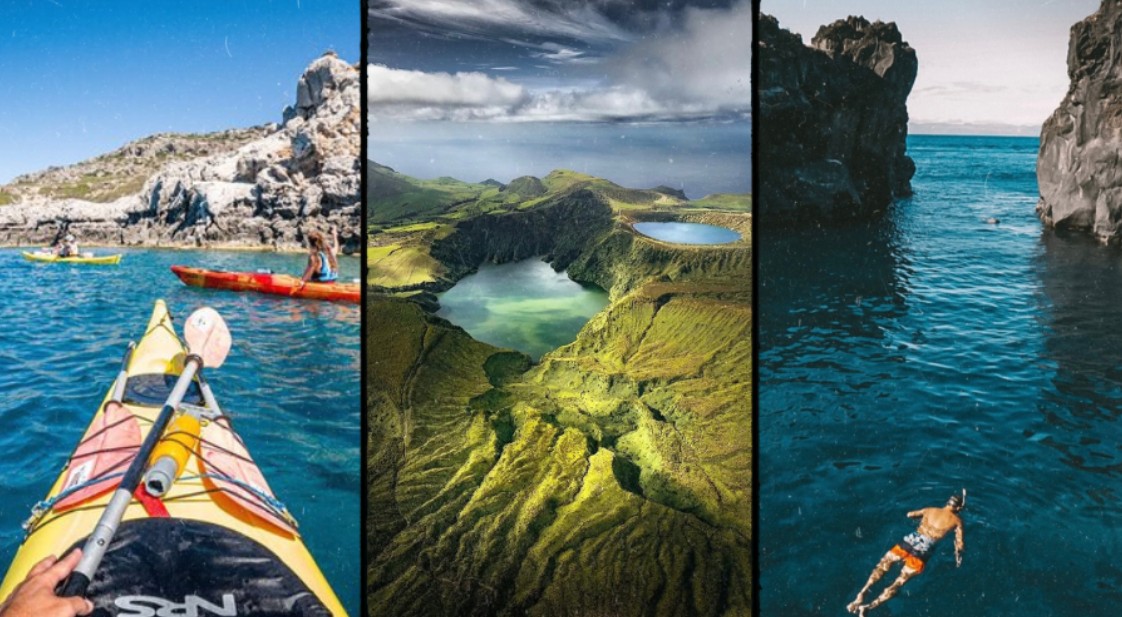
{"points": [[612, 478], [124, 171]]}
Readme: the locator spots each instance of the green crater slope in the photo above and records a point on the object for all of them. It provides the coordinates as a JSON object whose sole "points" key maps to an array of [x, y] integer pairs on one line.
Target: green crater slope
{"points": [[611, 478]]}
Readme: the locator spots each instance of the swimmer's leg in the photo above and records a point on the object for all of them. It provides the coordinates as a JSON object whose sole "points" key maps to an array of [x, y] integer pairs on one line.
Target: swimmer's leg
{"points": [[905, 574], [879, 571]]}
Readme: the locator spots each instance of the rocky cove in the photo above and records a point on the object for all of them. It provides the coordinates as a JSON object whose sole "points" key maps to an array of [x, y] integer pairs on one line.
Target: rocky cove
{"points": [[620, 461], [990, 343], [257, 188]]}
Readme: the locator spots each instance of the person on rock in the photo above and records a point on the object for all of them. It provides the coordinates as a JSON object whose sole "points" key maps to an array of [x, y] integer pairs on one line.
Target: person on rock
{"points": [[914, 549], [323, 266]]}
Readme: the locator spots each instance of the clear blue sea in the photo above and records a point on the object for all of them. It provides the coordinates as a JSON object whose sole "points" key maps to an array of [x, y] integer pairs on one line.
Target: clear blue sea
{"points": [[291, 383], [905, 360]]}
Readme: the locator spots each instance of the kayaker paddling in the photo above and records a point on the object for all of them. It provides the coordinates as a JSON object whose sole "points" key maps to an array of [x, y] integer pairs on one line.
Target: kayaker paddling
{"points": [[68, 247], [914, 549], [268, 283], [171, 511], [36, 597], [323, 267]]}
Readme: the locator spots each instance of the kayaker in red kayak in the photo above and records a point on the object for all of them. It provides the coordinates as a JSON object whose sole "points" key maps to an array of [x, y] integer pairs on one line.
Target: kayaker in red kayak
{"points": [[322, 267]]}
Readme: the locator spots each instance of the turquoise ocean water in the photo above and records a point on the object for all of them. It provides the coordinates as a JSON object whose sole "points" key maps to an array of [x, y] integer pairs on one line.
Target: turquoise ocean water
{"points": [[291, 383], [905, 360]]}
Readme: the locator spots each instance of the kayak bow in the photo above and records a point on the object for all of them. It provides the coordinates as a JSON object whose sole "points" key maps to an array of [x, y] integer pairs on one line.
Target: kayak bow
{"points": [[217, 538]]}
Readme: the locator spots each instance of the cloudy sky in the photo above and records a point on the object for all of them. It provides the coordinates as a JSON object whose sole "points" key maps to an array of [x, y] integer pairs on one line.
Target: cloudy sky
{"points": [[84, 78], [454, 67], [992, 67]]}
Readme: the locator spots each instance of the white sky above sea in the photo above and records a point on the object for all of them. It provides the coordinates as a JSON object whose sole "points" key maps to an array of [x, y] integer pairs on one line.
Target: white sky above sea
{"points": [[993, 67]]}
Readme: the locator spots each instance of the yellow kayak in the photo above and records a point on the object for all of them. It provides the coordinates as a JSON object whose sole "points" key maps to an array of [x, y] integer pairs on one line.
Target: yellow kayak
{"points": [[219, 542], [107, 260]]}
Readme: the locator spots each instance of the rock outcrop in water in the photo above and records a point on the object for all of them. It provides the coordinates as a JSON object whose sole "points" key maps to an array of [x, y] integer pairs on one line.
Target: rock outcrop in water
{"points": [[833, 121], [258, 188], [1078, 169]]}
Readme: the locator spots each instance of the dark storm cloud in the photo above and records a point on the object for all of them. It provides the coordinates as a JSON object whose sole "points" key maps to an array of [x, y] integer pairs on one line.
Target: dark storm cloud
{"points": [[555, 61], [559, 32], [546, 17]]}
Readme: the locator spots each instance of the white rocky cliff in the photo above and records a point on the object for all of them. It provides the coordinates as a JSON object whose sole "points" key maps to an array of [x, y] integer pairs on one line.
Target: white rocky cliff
{"points": [[255, 188]]}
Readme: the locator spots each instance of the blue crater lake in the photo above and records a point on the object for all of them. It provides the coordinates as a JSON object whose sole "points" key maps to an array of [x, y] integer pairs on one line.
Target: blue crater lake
{"points": [[524, 305], [687, 233], [291, 383], [903, 360]]}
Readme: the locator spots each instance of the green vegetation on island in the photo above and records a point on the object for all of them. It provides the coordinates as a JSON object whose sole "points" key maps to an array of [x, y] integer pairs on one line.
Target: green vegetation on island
{"points": [[124, 171], [611, 478]]}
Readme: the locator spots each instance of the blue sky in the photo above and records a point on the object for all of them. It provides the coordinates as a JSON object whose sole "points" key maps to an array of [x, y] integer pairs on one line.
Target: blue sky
{"points": [[985, 67], [82, 78]]}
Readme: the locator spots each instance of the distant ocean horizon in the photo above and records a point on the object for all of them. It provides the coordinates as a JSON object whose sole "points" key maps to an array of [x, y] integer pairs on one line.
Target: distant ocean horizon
{"points": [[697, 158]]}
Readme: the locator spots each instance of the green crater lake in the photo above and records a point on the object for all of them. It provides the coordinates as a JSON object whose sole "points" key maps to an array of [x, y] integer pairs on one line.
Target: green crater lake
{"points": [[687, 233], [523, 305]]}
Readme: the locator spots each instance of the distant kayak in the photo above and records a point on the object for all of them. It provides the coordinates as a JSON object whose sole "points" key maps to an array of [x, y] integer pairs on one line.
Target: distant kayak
{"points": [[104, 260], [267, 283], [214, 541]]}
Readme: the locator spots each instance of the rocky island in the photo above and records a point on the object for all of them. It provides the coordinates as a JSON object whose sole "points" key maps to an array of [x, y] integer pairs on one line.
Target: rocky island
{"points": [[251, 188], [833, 121], [613, 476], [1077, 168]]}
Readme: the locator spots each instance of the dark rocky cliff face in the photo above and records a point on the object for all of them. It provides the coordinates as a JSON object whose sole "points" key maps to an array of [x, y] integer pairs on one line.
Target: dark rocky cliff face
{"points": [[560, 231], [1078, 170], [833, 121]]}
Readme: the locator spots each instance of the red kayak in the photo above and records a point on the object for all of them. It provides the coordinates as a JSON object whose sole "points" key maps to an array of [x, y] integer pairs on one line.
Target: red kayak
{"points": [[277, 284]]}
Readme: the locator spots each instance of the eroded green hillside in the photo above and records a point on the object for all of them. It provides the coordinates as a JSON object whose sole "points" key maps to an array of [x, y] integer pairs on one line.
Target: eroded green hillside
{"points": [[613, 477]]}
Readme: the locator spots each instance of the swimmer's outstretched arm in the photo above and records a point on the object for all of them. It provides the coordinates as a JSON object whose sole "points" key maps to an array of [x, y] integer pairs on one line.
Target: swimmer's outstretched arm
{"points": [[916, 513], [959, 545]]}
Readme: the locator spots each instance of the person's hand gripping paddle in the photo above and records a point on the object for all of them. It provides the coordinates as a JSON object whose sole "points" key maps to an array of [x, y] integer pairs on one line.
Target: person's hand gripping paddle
{"points": [[208, 343]]}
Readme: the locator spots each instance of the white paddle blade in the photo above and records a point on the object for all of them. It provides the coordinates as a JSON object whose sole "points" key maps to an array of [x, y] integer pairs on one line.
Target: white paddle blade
{"points": [[207, 336]]}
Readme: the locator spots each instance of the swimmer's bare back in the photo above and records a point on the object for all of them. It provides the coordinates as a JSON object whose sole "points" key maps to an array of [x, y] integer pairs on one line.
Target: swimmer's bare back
{"points": [[936, 522]]}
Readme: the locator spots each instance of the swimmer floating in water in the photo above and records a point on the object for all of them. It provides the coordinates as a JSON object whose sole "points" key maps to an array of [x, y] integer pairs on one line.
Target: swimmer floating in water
{"points": [[914, 549]]}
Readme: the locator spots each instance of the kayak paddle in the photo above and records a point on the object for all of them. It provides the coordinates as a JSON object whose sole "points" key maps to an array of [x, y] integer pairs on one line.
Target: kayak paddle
{"points": [[208, 343]]}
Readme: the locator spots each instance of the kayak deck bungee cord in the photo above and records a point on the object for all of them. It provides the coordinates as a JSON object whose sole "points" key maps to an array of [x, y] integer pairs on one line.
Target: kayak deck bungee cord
{"points": [[203, 533]]}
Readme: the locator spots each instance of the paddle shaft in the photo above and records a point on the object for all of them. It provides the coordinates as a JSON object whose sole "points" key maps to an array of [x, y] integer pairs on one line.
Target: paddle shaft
{"points": [[123, 375], [98, 542], [208, 396]]}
